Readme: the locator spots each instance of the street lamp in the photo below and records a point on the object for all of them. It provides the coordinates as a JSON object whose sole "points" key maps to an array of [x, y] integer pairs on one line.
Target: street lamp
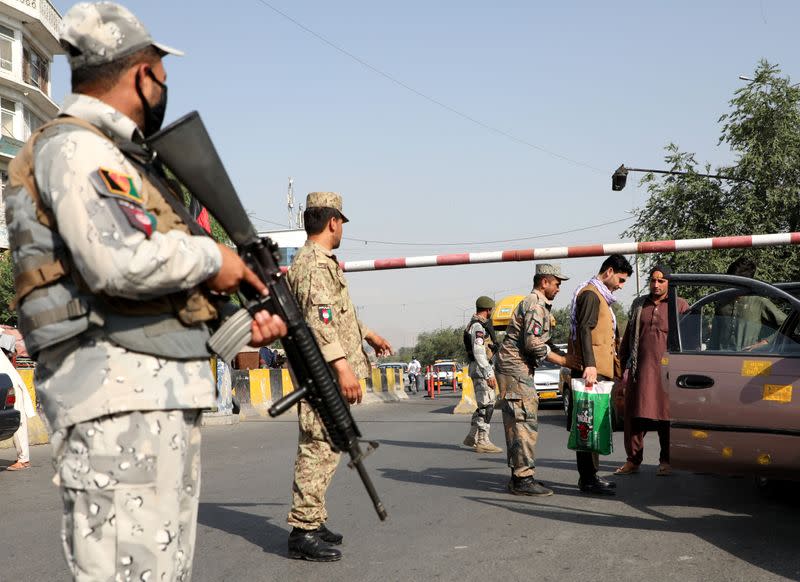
{"points": [[620, 176]]}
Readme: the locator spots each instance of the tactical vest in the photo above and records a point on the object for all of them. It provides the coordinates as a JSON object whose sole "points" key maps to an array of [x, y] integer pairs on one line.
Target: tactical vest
{"points": [[490, 343], [55, 304]]}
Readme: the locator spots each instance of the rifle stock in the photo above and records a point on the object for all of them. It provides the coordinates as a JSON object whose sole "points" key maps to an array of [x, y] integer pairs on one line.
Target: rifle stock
{"points": [[187, 150]]}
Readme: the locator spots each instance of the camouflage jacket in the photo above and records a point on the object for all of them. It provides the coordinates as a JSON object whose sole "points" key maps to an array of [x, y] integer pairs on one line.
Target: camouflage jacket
{"points": [[320, 287], [526, 336], [87, 376]]}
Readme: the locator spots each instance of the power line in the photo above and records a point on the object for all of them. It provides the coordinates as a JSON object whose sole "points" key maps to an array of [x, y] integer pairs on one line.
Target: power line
{"points": [[488, 242], [436, 102]]}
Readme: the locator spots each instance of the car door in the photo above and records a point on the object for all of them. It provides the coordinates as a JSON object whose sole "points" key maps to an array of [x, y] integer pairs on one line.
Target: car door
{"points": [[732, 373]]}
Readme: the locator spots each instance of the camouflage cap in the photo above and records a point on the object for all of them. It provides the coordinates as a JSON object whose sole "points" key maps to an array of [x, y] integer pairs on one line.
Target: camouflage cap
{"points": [[102, 32], [484, 302], [551, 269], [325, 200]]}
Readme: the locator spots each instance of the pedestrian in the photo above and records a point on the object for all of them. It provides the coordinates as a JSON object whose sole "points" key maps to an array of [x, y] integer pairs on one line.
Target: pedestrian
{"points": [[745, 322], [114, 301], [321, 289], [480, 343], [643, 346], [23, 403], [414, 369], [266, 357], [526, 343], [593, 341]]}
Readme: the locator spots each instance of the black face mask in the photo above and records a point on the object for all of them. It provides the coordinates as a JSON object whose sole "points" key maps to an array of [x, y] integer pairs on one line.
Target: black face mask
{"points": [[153, 114]]}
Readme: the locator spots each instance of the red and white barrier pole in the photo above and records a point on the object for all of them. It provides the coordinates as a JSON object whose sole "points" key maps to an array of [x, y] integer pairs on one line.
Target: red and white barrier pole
{"points": [[597, 250], [430, 382]]}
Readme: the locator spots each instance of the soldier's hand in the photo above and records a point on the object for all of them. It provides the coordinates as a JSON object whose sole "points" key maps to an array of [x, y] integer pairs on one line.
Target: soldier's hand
{"points": [[266, 328], [572, 361], [492, 383], [348, 383], [232, 272], [381, 346]]}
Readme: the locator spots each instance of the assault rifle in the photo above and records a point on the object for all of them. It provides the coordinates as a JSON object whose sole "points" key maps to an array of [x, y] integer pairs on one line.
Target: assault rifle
{"points": [[186, 149]]}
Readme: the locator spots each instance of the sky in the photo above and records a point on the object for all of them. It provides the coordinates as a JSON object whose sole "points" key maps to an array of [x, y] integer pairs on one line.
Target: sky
{"points": [[450, 123]]}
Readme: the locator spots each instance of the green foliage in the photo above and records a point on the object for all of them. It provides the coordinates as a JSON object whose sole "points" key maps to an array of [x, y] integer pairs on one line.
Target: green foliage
{"points": [[7, 315], [762, 128], [441, 344]]}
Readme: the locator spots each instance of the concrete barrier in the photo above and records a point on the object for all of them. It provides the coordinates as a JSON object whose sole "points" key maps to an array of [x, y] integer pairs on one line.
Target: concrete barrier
{"points": [[256, 390], [467, 404]]}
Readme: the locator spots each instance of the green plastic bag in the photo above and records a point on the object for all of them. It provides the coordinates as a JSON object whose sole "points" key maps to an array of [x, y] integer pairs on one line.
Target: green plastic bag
{"points": [[591, 418]]}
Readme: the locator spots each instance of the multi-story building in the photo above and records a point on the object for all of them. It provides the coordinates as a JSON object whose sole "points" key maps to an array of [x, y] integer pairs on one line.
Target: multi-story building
{"points": [[28, 42]]}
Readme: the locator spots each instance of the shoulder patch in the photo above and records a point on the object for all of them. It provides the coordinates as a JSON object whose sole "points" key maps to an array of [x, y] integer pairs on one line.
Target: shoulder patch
{"points": [[139, 218], [116, 185], [326, 314], [480, 334]]}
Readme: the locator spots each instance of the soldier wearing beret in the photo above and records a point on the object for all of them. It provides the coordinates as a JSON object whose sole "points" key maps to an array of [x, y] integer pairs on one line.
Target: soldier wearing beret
{"points": [[479, 342], [527, 342], [321, 289], [112, 288]]}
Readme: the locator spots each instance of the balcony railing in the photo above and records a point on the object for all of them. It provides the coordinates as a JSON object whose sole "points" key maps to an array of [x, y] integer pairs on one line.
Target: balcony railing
{"points": [[44, 11]]}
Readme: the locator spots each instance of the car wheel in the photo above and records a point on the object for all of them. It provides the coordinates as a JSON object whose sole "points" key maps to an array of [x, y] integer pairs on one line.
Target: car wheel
{"points": [[567, 398]]}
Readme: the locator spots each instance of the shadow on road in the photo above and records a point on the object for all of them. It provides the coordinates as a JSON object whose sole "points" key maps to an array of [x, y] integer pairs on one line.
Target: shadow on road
{"points": [[256, 529], [422, 445]]}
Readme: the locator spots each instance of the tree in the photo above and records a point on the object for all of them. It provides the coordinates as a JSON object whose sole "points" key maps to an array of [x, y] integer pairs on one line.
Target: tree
{"points": [[8, 316], [762, 129], [441, 344]]}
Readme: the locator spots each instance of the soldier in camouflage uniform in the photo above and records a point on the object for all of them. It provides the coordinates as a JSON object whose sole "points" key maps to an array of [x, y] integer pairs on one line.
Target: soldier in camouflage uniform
{"points": [[321, 289], [479, 344], [527, 342], [111, 294]]}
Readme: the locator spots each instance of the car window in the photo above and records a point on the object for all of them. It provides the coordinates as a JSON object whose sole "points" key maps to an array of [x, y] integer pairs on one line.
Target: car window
{"points": [[737, 321]]}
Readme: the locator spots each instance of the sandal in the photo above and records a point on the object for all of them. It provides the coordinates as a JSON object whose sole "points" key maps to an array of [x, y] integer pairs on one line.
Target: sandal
{"points": [[19, 466], [627, 469], [663, 470]]}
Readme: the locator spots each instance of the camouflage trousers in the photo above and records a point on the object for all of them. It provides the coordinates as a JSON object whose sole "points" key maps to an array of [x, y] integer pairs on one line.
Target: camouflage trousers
{"points": [[314, 467], [130, 484], [521, 422], [485, 399]]}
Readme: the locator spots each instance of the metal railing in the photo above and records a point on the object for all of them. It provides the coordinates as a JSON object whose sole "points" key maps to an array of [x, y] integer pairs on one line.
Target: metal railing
{"points": [[45, 11]]}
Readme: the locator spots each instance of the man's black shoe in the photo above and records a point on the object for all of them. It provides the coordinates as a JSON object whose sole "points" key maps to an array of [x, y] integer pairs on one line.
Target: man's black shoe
{"points": [[306, 545], [597, 486], [329, 536], [528, 486], [607, 483]]}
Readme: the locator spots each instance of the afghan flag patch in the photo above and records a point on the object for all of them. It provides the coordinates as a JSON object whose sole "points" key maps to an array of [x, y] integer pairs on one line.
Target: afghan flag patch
{"points": [[326, 315], [139, 218], [116, 184]]}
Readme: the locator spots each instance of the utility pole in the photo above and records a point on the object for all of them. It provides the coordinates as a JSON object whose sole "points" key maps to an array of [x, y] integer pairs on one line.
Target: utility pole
{"points": [[290, 202]]}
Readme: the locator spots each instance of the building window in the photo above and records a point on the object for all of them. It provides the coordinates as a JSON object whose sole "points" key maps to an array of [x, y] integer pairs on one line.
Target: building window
{"points": [[35, 69], [6, 44], [8, 109], [32, 123]]}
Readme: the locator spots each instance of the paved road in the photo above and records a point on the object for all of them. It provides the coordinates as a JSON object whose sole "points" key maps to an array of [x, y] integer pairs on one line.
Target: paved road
{"points": [[450, 517]]}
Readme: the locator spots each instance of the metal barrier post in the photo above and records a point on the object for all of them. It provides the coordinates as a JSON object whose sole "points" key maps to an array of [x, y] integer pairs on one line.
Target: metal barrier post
{"points": [[430, 382], [455, 379]]}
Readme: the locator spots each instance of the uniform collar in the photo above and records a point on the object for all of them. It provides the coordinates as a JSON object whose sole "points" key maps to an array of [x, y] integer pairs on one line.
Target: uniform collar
{"points": [[102, 116], [542, 298], [319, 248]]}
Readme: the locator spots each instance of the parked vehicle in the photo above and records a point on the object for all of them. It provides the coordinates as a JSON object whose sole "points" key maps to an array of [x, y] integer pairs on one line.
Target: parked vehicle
{"points": [[9, 417], [444, 371], [732, 378], [547, 381]]}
